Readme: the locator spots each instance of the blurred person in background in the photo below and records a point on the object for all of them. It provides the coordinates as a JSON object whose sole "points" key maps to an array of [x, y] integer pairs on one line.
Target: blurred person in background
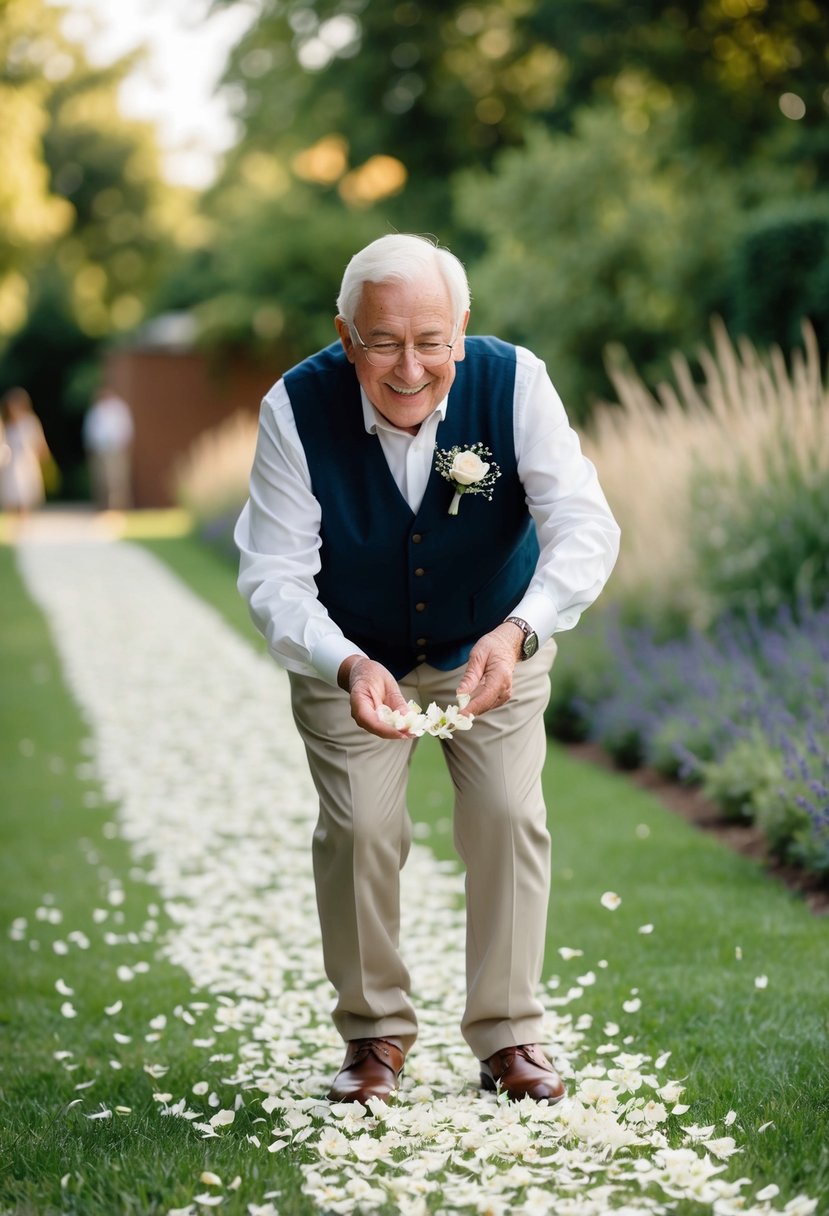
{"points": [[25, 458], [107, 437], [382, 567]]}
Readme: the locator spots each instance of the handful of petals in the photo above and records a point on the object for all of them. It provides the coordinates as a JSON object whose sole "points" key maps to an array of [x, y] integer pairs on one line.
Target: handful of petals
{"points": [[442, 723]]}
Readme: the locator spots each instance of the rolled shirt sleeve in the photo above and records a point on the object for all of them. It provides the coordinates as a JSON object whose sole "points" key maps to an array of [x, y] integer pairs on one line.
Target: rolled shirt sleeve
{"points": [[278, 538], [577, 535]]}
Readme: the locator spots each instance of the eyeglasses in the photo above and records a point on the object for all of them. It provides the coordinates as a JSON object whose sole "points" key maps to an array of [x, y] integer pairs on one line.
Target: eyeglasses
{"points": [[387, 353]]}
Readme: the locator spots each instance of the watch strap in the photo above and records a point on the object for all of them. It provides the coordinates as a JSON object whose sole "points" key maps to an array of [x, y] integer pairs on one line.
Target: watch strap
{"points": [[525, 628]]}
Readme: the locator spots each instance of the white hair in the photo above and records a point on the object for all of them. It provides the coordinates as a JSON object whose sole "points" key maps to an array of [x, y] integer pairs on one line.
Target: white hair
{"points": [[403, 259]]}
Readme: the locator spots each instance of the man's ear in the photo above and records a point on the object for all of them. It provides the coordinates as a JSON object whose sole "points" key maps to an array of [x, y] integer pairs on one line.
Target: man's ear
{"points": [[344, 330]]}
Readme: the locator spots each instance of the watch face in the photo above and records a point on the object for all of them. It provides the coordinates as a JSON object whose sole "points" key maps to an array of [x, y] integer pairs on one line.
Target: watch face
{"points": [[530, 645]]}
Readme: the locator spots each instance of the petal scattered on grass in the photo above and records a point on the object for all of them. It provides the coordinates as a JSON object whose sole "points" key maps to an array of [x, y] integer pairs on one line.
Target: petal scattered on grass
{"points": [[769, 1192], [610, 900]]}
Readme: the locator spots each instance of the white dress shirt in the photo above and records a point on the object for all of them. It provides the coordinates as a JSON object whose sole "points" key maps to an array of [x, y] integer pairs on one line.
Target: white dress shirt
{"points": [[278, 532]]}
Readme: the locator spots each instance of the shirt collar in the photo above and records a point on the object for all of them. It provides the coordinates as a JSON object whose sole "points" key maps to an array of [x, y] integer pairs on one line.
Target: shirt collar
{"points": [[372, 419]]}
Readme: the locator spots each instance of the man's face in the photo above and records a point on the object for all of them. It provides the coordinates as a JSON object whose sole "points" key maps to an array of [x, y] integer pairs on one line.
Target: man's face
{"points": [[406, 393]]}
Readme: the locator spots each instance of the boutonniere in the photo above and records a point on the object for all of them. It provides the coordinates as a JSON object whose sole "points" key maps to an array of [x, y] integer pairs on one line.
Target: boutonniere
{"points": [[467, 470]]}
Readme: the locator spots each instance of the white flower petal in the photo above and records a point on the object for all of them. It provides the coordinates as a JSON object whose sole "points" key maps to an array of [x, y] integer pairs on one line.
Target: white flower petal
{"points": [[769, 1192]]}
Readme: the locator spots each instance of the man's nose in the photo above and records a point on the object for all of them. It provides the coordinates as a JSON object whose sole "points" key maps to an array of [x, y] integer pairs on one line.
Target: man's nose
{"points": [[408, 365]]}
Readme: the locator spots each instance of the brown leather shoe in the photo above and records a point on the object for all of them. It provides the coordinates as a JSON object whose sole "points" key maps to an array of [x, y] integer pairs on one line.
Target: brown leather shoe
{"points": [[523, 1072], [371, 1069]]}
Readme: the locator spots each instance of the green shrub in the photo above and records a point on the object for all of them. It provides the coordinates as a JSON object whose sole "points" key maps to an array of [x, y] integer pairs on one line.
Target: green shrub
{"points": [[580, 679], [784, 821], [762, 544], [670, 743], [749, 772], [794, 811], [609, 236], [779, 274]]}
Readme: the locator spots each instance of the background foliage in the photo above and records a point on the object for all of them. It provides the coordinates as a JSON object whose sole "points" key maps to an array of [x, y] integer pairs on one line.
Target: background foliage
{"points": [[611, 173], [615, 176]]}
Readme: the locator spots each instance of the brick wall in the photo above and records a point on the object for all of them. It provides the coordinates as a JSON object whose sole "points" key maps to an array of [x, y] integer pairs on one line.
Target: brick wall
{"points": [[175, 396]]}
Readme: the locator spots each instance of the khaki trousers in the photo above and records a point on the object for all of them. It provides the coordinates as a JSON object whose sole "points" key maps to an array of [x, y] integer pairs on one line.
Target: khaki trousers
{"points": [[362, 839]]}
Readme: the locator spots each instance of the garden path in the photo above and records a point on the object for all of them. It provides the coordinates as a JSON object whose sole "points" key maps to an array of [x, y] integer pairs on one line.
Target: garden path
{"points": [[191, 734]]}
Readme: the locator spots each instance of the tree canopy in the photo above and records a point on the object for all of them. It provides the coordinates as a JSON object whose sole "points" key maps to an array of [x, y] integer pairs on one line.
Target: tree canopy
{"points": [[610, 172], [596, 163], [86, 221]]}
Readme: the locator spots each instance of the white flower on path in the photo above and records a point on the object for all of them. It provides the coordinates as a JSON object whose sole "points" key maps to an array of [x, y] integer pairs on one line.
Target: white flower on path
{"points": [[332, 1143]]}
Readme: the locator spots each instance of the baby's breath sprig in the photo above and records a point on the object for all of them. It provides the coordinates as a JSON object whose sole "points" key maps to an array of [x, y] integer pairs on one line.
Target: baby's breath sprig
{"points": [[470, 470]]}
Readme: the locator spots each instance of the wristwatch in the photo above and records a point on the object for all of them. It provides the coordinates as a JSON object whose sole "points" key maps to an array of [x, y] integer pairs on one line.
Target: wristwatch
{"points": [[530, 644]]}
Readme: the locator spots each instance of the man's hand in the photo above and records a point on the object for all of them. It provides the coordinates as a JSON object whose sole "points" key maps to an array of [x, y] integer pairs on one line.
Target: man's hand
{"points": [[371, 685], [488, 675]]}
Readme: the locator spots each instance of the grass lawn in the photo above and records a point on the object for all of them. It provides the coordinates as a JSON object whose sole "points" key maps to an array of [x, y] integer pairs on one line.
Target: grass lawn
{"points": [[718, 925]]}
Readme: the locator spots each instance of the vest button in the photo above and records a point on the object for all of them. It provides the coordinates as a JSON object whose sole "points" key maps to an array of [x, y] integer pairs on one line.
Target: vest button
{"points": [[420, 658], [421, 641], [417, 538], [420, 607], [419, 572]]}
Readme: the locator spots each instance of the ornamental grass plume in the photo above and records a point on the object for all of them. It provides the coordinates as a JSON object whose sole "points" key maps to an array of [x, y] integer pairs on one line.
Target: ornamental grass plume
{"points": [[211, 479], [751, 421]]}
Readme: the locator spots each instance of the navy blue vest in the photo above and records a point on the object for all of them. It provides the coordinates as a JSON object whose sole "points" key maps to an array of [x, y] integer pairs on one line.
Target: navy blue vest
{"points": [[412, 588]]}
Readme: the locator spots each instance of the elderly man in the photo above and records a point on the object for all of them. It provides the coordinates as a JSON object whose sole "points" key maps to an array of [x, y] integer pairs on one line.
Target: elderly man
{"points": [[421, 521]]}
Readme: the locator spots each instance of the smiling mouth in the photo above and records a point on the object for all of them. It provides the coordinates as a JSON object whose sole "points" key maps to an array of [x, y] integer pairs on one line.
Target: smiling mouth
{"points": [[407, 392]]}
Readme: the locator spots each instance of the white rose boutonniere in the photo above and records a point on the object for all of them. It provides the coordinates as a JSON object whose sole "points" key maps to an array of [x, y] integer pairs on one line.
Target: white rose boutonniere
{"points": [[468, 470]]}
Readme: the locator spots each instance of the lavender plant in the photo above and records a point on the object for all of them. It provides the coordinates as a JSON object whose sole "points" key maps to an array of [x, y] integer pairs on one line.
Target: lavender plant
{"points": [[743, 709]]}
